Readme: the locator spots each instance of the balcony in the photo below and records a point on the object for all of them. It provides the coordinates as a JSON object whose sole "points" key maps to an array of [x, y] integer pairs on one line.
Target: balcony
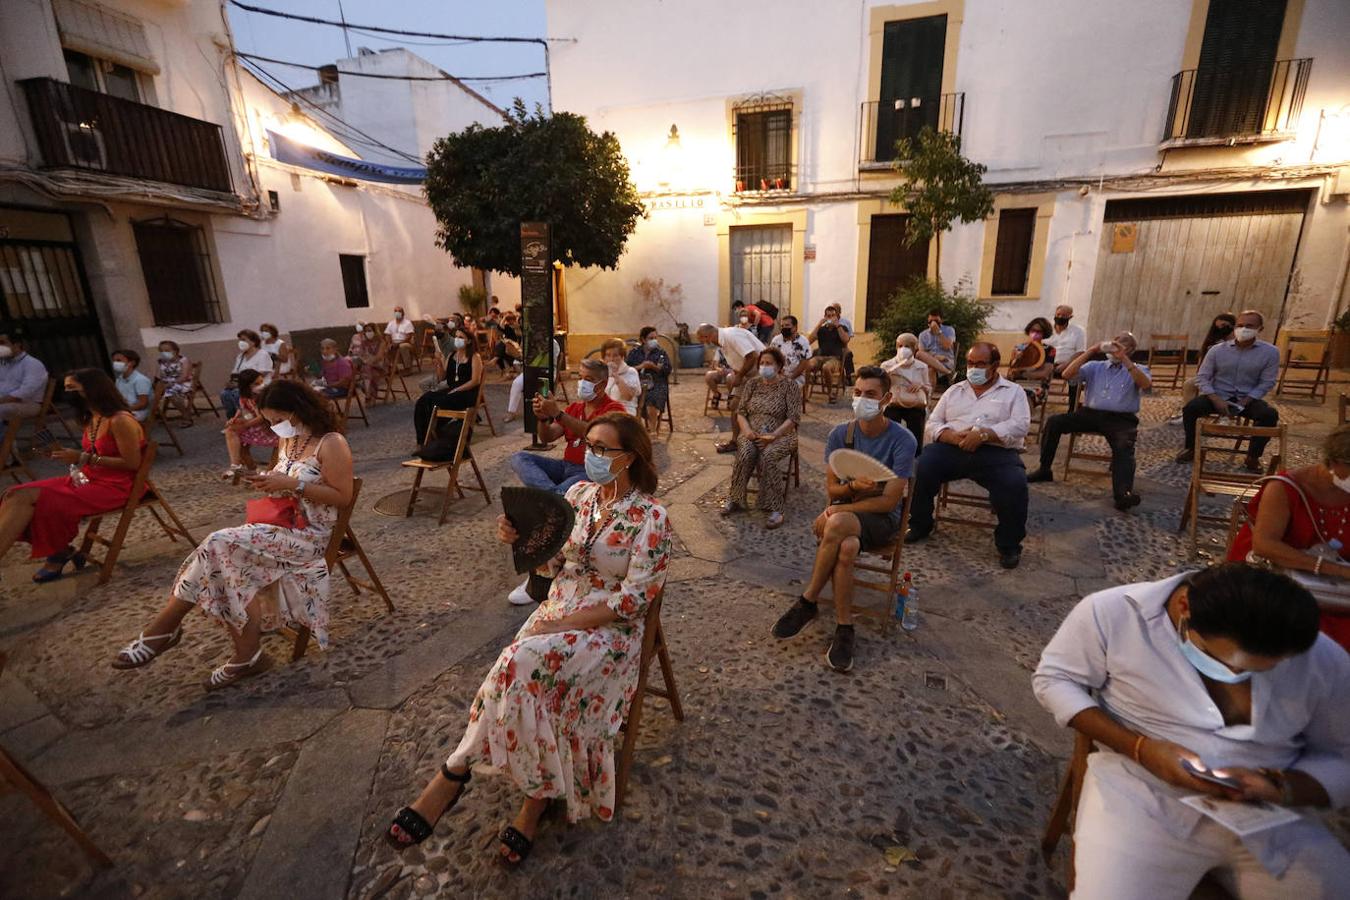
{"points": [[1241, 105], [83, 129], [880, 127]]}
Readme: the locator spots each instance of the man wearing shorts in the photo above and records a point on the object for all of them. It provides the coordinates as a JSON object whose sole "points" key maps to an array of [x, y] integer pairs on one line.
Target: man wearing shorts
{"points": [[862, 515]]}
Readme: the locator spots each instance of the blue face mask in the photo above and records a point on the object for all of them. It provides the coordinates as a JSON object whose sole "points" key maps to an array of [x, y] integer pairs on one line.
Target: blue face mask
{"points": [[597, 468], [977, 377], [1205, 664], [586, 390]]}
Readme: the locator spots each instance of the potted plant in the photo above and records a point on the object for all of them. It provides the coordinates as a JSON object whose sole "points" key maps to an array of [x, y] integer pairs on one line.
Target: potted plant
{"points": [[1340, 341], [669, 299]]}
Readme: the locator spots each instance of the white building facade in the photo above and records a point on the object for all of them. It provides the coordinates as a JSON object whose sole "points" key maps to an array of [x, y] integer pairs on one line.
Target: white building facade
{"points": [[1153, 163], [139, 201]]}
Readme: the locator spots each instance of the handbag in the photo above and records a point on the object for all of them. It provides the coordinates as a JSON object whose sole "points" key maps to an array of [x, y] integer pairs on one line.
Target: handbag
{"points": [[1330, 593], [283, 512]]}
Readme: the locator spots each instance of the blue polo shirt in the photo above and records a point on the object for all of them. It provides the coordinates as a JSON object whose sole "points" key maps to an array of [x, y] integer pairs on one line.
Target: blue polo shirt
{"points": [[894, 448], [1108, 387]]}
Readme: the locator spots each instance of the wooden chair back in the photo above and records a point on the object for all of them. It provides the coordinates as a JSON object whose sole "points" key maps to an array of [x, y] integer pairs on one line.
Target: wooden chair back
{"points": [[889, 567], [343, 405], [666, 416], [1213, 474], [453, 489], [199, 390], [1167, 359], [948, 498], [156, 418], [1294, 381], [653, 647]]}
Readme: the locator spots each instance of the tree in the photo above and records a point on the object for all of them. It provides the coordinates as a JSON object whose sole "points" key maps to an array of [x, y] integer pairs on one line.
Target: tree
{"points": [[907, 311], [483, 182], [940, 186]]}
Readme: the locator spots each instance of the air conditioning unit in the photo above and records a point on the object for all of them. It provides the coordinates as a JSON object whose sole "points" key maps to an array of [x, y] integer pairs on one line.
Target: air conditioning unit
{"points": [[84, 145]]}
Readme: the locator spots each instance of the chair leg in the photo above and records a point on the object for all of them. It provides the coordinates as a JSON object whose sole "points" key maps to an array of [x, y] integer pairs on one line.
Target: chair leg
{"points": [[668, 674], [412, 497], [370, 570], [301, 643], [630, 733], [173, 517], [487, 497], [14, 772], [115, 547]]}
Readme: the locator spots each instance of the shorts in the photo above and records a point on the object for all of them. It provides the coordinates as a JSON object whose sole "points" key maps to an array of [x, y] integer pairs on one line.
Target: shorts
{"points": [[877, 531]]}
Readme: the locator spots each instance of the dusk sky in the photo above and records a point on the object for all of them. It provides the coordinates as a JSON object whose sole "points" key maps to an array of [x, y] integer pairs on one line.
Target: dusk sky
{"points": [[317, 45]]}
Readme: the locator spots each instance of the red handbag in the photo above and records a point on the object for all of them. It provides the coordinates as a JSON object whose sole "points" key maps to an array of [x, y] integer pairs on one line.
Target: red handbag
{"points": [[284, 512]]}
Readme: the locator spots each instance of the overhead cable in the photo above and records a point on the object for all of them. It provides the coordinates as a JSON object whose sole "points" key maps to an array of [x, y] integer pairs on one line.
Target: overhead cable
{"points": [[467, 38], [444, 76]]}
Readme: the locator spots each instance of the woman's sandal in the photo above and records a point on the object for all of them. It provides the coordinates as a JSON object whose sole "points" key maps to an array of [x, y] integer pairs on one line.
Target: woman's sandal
{"points": [[228, 674], [517, 843], [138, 653], [409, 822], [44, 575]]}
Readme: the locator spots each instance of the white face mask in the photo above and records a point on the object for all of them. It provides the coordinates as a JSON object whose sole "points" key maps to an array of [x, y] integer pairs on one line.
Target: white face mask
{"points": [[460, 343], [652, 344], [119, 366], [866, 408], [6, 351], [370, 335], [1342, 484], [267, 335], [906, 354], [1244, 334], [243, 346], [329, 357], [285, 429], [768, 371], [398, 315], [977, 377], [586, 390], [166, 354]]}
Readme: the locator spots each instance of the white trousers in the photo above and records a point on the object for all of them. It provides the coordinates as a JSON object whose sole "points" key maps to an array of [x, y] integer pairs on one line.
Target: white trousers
{"points": [[1122, 853], [517, 398]]}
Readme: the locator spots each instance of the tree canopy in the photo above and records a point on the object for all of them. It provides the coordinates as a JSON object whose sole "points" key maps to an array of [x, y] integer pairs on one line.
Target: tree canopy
{"points": [[940, 186], [483, 182]]}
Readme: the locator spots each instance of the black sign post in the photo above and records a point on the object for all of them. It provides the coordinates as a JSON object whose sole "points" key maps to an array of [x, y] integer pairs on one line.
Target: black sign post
{"points": [[536, 300]]}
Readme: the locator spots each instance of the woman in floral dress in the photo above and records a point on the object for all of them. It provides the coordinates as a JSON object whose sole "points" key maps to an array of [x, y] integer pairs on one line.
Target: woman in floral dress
{"points": [[550, 708], [769, 412], [226, 572], [175, 370], [369, 348]]}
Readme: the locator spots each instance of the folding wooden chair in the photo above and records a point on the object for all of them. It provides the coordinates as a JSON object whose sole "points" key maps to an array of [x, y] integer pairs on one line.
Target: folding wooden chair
{"points": [[949, 498], [11, 463], [50, 411], [815, 381], [198, 390], [1167, 364], [1092, 456], [1342, 403], [12, 770], [653, 645], [342, 546], [666, 415], [1212, 472], [888, 567], [343, 405], [156, 417], [144, 495], [719, 399], [481, 406], [392, 371], [794, 472], [1303, 354], [1065, 809], [453, 488]]}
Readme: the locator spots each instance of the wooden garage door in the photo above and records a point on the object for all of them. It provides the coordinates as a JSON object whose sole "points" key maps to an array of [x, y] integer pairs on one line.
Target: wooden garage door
{"points": [[1168, 266]]}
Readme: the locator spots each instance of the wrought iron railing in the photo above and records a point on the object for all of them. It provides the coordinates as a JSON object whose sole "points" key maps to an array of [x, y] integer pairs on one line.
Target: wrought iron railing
{"points": [[1243, 102], [83, 129], [880, 124]]}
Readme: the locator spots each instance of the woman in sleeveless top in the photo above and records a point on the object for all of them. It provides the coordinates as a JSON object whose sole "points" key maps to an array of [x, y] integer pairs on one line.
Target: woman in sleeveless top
{"points": [[462, 373], [1281, 528], [226, 572], [47, 513], [276, 348]]}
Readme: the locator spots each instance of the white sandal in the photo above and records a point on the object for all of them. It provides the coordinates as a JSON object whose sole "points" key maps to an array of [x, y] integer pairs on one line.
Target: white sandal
{"points": [[228, 674], [139, 653]]}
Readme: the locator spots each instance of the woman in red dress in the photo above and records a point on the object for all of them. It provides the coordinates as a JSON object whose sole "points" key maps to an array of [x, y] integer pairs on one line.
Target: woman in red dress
{"points": [[1281, 528], [46, 514]]}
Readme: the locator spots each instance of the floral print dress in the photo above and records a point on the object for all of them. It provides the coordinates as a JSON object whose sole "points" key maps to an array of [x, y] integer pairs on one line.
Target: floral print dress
{"points": [[231, 566], [551, 706], [176, 375]]}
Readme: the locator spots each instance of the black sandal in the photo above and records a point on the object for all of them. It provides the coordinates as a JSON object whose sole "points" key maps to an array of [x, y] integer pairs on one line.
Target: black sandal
{"points": [[411, 823], [517, 843]]}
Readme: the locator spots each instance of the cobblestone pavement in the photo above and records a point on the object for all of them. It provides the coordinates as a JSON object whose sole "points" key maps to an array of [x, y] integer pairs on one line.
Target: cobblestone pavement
{"points": [[926, 772]]}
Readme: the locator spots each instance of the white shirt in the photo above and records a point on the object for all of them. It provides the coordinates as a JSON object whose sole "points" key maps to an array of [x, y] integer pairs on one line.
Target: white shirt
{"points": [[259, 361], [794, 351], [1068, 343], [274, 349], [915, 375], [1121, 644], [1002, 409], [736, 344], [400, 330], [629, 376]]}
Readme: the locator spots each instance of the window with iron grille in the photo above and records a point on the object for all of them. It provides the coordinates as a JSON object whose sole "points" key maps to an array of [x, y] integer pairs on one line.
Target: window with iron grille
{"points": [[763, 146], [354, 280], [1012, 251], [176, 265]]}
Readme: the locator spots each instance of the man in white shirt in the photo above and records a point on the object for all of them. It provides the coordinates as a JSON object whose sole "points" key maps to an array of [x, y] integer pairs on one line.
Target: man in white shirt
{"points": [[1069, 340], [400, 331], [1223, 671], [976, 431], [741, 349], [794, 346]]}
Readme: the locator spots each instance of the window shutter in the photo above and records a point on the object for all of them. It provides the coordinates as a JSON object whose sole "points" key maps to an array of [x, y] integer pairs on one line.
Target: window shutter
{"points": [[1012, 251], [104, 33]]}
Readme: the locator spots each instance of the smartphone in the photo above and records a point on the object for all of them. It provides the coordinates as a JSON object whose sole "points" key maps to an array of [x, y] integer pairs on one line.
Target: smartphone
{"points": [[1205, 774]]}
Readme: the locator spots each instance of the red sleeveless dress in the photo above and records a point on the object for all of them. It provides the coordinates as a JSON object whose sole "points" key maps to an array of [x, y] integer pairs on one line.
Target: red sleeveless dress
{"points": [[61, 505], [1301, 534]]}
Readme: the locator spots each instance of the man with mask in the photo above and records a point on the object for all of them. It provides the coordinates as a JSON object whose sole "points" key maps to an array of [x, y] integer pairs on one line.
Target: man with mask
{"points": [[1220, 671], [1111, 408], [1069, 340], [862, 515], [831, 337], [794, 346], [400, 331], [1233, 379], [23, 380], [653, 368], [741, 349], [977, 431]]}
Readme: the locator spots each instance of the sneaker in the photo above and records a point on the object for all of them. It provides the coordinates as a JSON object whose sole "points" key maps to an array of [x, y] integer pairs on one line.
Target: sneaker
{"points": [[1184, 456], [520, 596], [840, 654], [1041, 474], [731, 507], [775, 520], [914, 535], [1176, 420], [1128, 502], [795, 619]]}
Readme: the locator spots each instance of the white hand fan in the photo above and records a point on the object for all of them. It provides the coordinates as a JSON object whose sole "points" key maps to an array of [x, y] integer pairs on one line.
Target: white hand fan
{"points": [[851, 465]]}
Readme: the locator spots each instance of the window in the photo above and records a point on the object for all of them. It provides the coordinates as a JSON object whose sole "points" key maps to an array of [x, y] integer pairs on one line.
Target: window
{"points": [[1237, 60], [761, 265], [763, 128], [1012, 251], [354, 280], [176, 265], [911, 80], [100, 75]]}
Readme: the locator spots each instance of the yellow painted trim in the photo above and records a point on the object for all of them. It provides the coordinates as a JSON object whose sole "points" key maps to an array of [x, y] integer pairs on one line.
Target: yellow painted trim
{"points": [[740, 218], [798, 98], [878, 16], [1195, 32], [1040, 244]]}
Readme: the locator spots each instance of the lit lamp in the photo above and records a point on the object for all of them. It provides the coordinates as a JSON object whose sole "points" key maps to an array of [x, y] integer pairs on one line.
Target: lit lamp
{"points": [[672, 161], [1332, 140]]}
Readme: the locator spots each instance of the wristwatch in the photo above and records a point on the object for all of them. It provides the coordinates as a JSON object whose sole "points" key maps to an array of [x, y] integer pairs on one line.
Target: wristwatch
{"points": [[299, 488]]}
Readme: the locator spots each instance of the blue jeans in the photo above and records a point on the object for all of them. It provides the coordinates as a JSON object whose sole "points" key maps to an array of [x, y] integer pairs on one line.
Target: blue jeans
{"points": [[996, 469], [545, 472], [229, 401]]}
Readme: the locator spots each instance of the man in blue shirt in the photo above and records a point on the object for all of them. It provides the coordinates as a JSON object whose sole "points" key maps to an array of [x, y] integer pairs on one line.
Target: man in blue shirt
{"points": [[1233, 379], [23, 380], [939, 340], [862, 515], [1110, 395]]}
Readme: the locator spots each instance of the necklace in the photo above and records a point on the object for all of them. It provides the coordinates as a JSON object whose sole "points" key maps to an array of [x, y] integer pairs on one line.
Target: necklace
{"points": [[602, 514]]}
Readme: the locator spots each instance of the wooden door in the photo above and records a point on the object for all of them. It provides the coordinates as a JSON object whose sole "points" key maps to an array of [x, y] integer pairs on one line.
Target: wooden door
{"points": [[890, 263]]}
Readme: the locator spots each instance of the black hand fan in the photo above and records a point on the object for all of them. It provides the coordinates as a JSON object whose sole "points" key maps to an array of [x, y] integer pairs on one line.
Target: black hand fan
{"points": [[542, 519]]}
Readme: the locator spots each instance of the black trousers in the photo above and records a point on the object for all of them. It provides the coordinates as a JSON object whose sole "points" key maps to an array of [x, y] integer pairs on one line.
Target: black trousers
{"points": [[912, 417], [1259, 411], [428, 403], [998, 470], [1121, 430]]}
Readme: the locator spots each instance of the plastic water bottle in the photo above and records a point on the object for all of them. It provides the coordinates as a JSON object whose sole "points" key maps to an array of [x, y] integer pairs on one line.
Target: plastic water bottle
{"points": [[1330, 551], [910, 620], [902, 599]]}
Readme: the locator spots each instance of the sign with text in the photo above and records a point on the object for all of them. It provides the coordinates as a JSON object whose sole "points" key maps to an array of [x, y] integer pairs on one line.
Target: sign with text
{"points": [[536, 301]]}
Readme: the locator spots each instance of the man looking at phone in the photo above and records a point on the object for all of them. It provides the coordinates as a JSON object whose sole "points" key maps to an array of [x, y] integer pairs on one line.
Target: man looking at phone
{"points": [[1233, 379], [938, 340], [1220, 671], [1110, 408]]}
